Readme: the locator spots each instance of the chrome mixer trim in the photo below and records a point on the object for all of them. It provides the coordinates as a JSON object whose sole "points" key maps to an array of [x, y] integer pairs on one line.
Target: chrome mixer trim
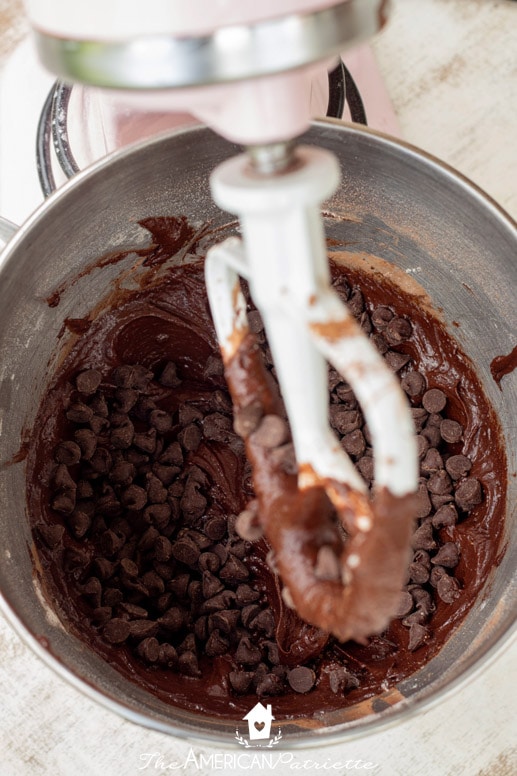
{"points": [[228, 54]]}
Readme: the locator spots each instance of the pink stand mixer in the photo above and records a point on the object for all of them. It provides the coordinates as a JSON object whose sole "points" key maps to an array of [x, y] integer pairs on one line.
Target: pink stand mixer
{"points": [[231, 64]]}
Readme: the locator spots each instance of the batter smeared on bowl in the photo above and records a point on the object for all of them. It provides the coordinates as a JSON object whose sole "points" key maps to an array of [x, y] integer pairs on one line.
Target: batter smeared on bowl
{"points": [[146, 522]]}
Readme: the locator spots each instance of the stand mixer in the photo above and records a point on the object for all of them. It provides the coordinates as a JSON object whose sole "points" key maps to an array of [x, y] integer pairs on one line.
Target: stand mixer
{"points": [[231, 65]]}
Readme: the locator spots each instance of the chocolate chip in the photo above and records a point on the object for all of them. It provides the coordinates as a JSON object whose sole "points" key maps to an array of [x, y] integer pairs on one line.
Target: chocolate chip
{"points": [[179, 585], [423, 600], [153, 582], [346, 396], [396, 360], [448, 556], [84, 489], [413, 383], [79, 413], [68, 453], [101, 615], [418, 573], [162, 549], [125, 399], [122, 473], [327, 566], [116, 631], [62, 479], [419, 416], [134, 498], [158, 515], [439, 483], [445, 516], [172, 455], [133, 611], [217, 644], [234, 570], [423, 538], [447, 588], [301, 679], [344, 421], [186, 551], [103, 568], [381, 316], [147, 539], [264, 622], [209, 561], [451, 431], [217, 427], [92, 590], [199, 538], [87, 441], [132, 376], [405, 604], [366, 468], [166, 474], [110, 542], [161, 421], [423, 557], [51, 534], [129, 568], [422, 502], [149, 650], [340, 680], [226, 621], [398, 330], [88, 381], [190, 438], [173, 620], [270, 684], [354, 443], [79, 523], [112, 596], [419, 618], [246, 595], [247, 653], [142, 629], [156, 492], [418, 636], [215, 528], [211, 585], [468, 494], [167, 656], [99, 405], [249, 612], [458, 466], [169, 376], [240, 680], [434, 400], [121, 438], [101, 461], [188, 664], [432, 461], [64, 502], [146, 441]]}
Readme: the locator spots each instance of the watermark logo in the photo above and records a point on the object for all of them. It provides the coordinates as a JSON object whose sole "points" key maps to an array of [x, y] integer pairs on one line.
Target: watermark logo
{"points": [[259, 720]]}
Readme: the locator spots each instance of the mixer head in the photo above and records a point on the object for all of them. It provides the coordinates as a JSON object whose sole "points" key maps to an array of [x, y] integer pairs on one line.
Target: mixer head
{"points": [[242, 67]]}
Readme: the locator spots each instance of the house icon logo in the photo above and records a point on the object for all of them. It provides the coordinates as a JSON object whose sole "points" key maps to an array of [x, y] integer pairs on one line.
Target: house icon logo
{"points": [[259, 720]]}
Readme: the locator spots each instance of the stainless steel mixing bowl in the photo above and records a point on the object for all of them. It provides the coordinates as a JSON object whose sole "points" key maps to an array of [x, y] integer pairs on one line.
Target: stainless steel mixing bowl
{"points": [[394, 202]]}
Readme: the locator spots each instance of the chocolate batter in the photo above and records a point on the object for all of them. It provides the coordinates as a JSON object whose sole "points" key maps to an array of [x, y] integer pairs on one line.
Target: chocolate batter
{"points": [[125, 573]]}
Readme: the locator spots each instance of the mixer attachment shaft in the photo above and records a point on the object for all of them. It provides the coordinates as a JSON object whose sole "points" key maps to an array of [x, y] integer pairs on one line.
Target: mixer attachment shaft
{"points": [[283, 257]]}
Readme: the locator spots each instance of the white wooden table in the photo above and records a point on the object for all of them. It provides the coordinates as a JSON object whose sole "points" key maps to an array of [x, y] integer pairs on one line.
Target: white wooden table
{"points": [[451, 70]]}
